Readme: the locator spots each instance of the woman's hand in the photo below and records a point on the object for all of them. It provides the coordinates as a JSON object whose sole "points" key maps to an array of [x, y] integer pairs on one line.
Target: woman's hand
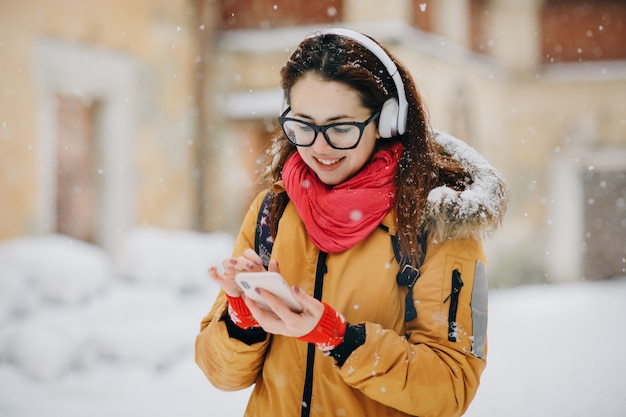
{"points": [[281, 320], [248, 262]]}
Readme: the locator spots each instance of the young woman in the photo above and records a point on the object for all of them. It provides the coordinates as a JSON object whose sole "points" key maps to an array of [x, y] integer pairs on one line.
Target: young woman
{"points": [[355, 169]]}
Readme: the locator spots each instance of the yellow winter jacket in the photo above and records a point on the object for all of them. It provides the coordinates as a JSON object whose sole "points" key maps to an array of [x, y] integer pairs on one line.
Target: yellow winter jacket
{"points": [[429, 366]]}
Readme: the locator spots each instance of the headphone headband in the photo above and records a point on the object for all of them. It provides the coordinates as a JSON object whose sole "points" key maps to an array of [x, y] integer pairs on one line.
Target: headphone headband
{"points": [[402, 104]]}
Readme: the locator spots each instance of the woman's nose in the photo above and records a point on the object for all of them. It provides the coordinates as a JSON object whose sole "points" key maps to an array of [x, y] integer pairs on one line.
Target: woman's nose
{"points": [[320, 143]]}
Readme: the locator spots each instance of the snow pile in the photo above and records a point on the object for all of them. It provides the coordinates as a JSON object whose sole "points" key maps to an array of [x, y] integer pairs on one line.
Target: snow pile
{"points": [[49, 269], [64, 309], [178, 260]]}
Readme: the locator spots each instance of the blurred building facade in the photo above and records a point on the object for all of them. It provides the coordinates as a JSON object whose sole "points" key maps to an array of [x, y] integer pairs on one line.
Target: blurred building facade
{"points": [[114, 114]]}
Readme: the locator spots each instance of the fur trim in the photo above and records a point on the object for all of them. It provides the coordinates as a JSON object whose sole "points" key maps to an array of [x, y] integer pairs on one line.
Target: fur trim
{"points": [[475, 212]]}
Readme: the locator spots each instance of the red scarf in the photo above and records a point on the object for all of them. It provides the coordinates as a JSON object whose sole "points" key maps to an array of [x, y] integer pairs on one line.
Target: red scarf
{"points": [[338, 218]]}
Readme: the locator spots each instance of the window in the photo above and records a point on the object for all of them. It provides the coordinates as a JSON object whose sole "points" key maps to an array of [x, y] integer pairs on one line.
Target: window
{"points": [[268, 14], [422, 14], [583, 30], [479, 11]]}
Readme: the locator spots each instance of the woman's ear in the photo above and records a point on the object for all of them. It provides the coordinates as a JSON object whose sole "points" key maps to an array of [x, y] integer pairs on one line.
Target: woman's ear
{"points": [[377, 131]]}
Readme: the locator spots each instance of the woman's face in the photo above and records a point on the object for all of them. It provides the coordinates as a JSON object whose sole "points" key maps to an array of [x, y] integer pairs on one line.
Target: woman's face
{"points": [[322, 102]]}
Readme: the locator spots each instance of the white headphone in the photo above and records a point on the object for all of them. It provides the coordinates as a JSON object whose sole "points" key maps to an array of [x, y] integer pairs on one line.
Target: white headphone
{"points": [[393, 115]]}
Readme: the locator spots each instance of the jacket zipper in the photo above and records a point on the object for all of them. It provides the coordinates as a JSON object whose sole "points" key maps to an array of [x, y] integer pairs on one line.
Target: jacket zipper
{"points": [[307, 392], [457, 283]]}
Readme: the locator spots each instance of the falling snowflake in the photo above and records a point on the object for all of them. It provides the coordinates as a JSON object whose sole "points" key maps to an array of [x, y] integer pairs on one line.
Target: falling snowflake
{"points": [[356, 215]]}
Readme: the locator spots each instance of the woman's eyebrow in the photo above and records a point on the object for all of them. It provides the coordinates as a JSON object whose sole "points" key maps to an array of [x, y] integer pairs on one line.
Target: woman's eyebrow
{"points": [[329, 120]]}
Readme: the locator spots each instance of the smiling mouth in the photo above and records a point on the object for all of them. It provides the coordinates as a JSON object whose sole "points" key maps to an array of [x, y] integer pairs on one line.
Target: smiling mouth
{"points": [[328, 162]]}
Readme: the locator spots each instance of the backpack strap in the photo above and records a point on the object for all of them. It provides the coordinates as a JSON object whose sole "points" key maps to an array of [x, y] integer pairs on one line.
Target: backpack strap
{"points": [[409, 273], [263, 240]]}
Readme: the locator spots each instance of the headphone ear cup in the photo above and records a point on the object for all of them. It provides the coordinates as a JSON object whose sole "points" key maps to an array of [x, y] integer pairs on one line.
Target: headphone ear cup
{"points": [[388, 120]]}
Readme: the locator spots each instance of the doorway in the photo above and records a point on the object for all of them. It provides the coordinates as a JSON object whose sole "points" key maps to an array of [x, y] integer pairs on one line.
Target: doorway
{"points": [[77, 183], [86, 141], [604, 224]]}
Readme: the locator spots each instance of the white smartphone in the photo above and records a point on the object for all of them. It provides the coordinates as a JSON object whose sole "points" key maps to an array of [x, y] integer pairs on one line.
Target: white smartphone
{"points": [[269, 281]]}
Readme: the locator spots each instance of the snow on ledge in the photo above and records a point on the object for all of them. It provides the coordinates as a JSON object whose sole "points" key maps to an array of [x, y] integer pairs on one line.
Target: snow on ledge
{"points": [[254, 104]]}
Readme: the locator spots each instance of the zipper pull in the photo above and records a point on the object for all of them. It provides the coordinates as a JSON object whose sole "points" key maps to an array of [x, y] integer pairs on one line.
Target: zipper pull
{"points": [[457, 283]]}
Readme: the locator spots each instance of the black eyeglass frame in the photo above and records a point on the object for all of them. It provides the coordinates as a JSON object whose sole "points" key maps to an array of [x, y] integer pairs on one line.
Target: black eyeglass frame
{"points": [[322, 129]]}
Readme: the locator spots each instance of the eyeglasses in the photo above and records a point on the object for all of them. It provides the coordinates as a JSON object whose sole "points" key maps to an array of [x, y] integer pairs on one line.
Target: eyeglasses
{"points": [[343, 135]]}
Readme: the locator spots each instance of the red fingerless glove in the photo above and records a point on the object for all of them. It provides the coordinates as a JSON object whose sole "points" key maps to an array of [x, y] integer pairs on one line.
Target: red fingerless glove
{"points": [[239, 313], [329, 332]]}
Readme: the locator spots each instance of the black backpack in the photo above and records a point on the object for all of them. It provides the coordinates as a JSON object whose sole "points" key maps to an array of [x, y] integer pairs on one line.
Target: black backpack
{"points": [[407, 276]]}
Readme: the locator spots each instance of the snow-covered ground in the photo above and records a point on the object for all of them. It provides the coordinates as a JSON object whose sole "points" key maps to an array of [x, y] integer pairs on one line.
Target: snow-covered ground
{"points": [[82, 334]]}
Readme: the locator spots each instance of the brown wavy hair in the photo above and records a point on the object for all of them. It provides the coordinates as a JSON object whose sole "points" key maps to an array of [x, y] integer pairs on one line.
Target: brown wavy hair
{"points": [[423, 165]]}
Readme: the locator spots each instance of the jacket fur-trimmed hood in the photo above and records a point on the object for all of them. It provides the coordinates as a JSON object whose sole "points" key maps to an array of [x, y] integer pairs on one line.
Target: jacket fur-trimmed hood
{"points": [[476, 212]]}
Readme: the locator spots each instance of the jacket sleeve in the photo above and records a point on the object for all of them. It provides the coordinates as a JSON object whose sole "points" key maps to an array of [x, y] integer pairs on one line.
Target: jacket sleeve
{"points": [[435, 369], [230, 364]]}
